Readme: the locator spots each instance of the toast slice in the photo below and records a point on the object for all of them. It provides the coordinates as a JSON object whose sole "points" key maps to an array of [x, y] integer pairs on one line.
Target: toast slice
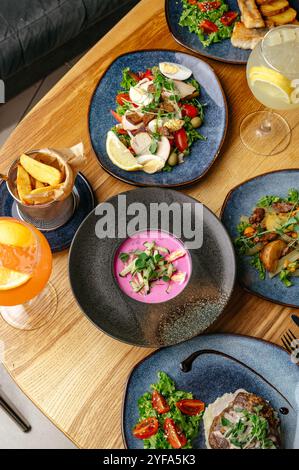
{"points": [[263, 2], [250, 14], [274, 8], [245, 38]]}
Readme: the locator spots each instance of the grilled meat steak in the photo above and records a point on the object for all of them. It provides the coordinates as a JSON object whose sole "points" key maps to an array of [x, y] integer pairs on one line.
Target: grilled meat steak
{"points": [[232, 427]]}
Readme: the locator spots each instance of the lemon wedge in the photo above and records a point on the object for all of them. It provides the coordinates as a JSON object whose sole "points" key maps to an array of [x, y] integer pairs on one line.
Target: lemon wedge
{"points": [[278, 85], [120, 155], [10, 279], [15, 234]]}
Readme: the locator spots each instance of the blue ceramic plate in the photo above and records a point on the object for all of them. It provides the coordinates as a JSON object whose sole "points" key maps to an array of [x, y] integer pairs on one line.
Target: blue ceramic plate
{"points": [[226, 363], [223, 51], [240, 201], [202, 154]]}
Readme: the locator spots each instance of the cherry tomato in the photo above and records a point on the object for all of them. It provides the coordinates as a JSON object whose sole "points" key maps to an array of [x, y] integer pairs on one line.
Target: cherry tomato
{"points": [[122, 97], [181, 140], [208, 26], [146, 428], [209, 6], [190, 407], [228, 18], [192, 2], [189, 110], [159, 403], [174, 434], [116, 116], [148, 74]]}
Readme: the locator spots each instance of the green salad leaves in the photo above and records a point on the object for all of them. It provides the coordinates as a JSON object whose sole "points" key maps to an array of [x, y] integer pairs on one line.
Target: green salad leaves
{"points": [[192, 17], [188, 424]]}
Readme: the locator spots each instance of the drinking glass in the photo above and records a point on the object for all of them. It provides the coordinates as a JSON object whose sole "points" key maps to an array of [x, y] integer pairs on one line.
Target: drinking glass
{"points": [[273, 77], [27, 302]]}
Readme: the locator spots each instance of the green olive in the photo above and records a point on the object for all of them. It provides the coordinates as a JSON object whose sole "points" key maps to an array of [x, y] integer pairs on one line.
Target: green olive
{"points": [[196, 122], [172, 159]]}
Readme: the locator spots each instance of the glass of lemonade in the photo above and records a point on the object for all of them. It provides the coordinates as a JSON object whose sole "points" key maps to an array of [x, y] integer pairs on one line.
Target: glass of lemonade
{"points": [[26, 300], [273, 77]]}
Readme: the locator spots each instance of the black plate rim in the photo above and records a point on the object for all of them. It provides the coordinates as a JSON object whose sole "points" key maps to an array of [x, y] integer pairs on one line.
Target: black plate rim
{"points": [[148, 185], [203, 54], [234, 259], [126, 385], [226, 200]]}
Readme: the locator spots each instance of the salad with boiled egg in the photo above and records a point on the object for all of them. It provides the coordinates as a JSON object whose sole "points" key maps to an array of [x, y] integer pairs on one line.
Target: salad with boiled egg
{"points": [[158, 116]]}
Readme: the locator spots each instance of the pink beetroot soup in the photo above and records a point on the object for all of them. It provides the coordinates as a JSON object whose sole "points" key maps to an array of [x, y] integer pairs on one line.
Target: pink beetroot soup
{"points": [[160, 291]]}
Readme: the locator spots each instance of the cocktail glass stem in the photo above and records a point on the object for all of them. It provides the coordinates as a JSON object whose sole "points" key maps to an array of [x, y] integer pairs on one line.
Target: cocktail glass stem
{"points": [[33, 314], [265, 132]]}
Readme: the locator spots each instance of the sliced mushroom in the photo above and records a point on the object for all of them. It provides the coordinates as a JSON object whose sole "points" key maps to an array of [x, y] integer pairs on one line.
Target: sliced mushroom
{"points": [[164, 148]]}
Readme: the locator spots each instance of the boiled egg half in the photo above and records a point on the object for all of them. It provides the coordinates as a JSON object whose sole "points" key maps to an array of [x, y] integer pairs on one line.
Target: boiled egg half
{"points": [[175, 71]]}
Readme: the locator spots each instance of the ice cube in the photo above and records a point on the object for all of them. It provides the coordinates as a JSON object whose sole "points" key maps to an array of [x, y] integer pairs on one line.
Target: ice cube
{"points": [[288, 35]]}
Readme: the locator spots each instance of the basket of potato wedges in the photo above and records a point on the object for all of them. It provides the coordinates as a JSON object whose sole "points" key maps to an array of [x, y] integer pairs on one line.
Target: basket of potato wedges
{"points": [[42, 184]]}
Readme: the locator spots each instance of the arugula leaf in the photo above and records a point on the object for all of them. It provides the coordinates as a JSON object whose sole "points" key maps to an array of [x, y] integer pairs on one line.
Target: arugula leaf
{"points": [[258, 265], [267, 201]]}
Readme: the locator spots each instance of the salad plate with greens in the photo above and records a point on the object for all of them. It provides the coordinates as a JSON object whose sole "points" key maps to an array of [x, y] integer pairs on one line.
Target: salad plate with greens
{"points": [[262, 217], [206, 27], [158, 118]]}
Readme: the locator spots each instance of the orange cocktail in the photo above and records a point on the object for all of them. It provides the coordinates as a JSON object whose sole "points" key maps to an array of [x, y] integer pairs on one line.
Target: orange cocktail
{"points": [[25, 268]]}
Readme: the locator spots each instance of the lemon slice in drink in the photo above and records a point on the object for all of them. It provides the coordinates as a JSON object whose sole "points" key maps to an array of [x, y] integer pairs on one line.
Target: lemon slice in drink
{"points": [[120, 155], [277, 84], [10, 279], [15, 234]]}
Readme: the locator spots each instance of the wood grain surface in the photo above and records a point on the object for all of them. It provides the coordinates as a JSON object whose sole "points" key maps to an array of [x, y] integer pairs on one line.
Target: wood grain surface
{"points": [[71, 371]]}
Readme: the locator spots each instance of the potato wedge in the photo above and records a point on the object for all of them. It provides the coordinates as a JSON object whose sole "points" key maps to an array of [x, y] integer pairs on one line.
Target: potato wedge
{"points": [[40, 171], [274, 8], [23, 183], [274, 221], [41, 195], [286, 17], [38, 184], [271, 253]]}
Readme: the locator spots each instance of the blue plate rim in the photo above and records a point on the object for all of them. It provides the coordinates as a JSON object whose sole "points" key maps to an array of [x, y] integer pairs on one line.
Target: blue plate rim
{"points": [[147, 185], [222, 210], [126, 385], [209, 56]]}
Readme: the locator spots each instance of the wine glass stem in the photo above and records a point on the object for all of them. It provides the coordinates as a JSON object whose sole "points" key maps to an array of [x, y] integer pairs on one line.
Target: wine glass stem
{"points": [[266, 123]]}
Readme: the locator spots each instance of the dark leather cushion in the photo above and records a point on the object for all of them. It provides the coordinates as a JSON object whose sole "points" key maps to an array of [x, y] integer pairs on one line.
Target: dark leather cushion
{"points": [[30, 29]]}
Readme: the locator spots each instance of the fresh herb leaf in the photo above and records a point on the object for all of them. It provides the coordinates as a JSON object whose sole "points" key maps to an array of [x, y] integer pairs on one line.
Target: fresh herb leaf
{"points": [[124, 257]]}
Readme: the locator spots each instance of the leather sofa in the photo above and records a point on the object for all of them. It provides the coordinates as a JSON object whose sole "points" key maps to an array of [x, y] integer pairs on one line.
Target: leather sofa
{"points": [[36, 36]]}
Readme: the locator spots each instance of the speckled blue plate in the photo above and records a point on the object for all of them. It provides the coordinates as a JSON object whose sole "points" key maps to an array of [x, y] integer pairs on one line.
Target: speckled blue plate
{"points": [[203, 153], [241, 200], [61, 238], [225, 364], [223, 51]]}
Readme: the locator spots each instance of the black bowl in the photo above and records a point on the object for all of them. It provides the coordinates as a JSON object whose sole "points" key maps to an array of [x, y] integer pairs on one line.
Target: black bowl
{"points": [[91, 263]]}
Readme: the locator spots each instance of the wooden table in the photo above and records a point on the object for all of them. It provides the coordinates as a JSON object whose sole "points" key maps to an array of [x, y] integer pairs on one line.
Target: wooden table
{"points": [[69, 369]]}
